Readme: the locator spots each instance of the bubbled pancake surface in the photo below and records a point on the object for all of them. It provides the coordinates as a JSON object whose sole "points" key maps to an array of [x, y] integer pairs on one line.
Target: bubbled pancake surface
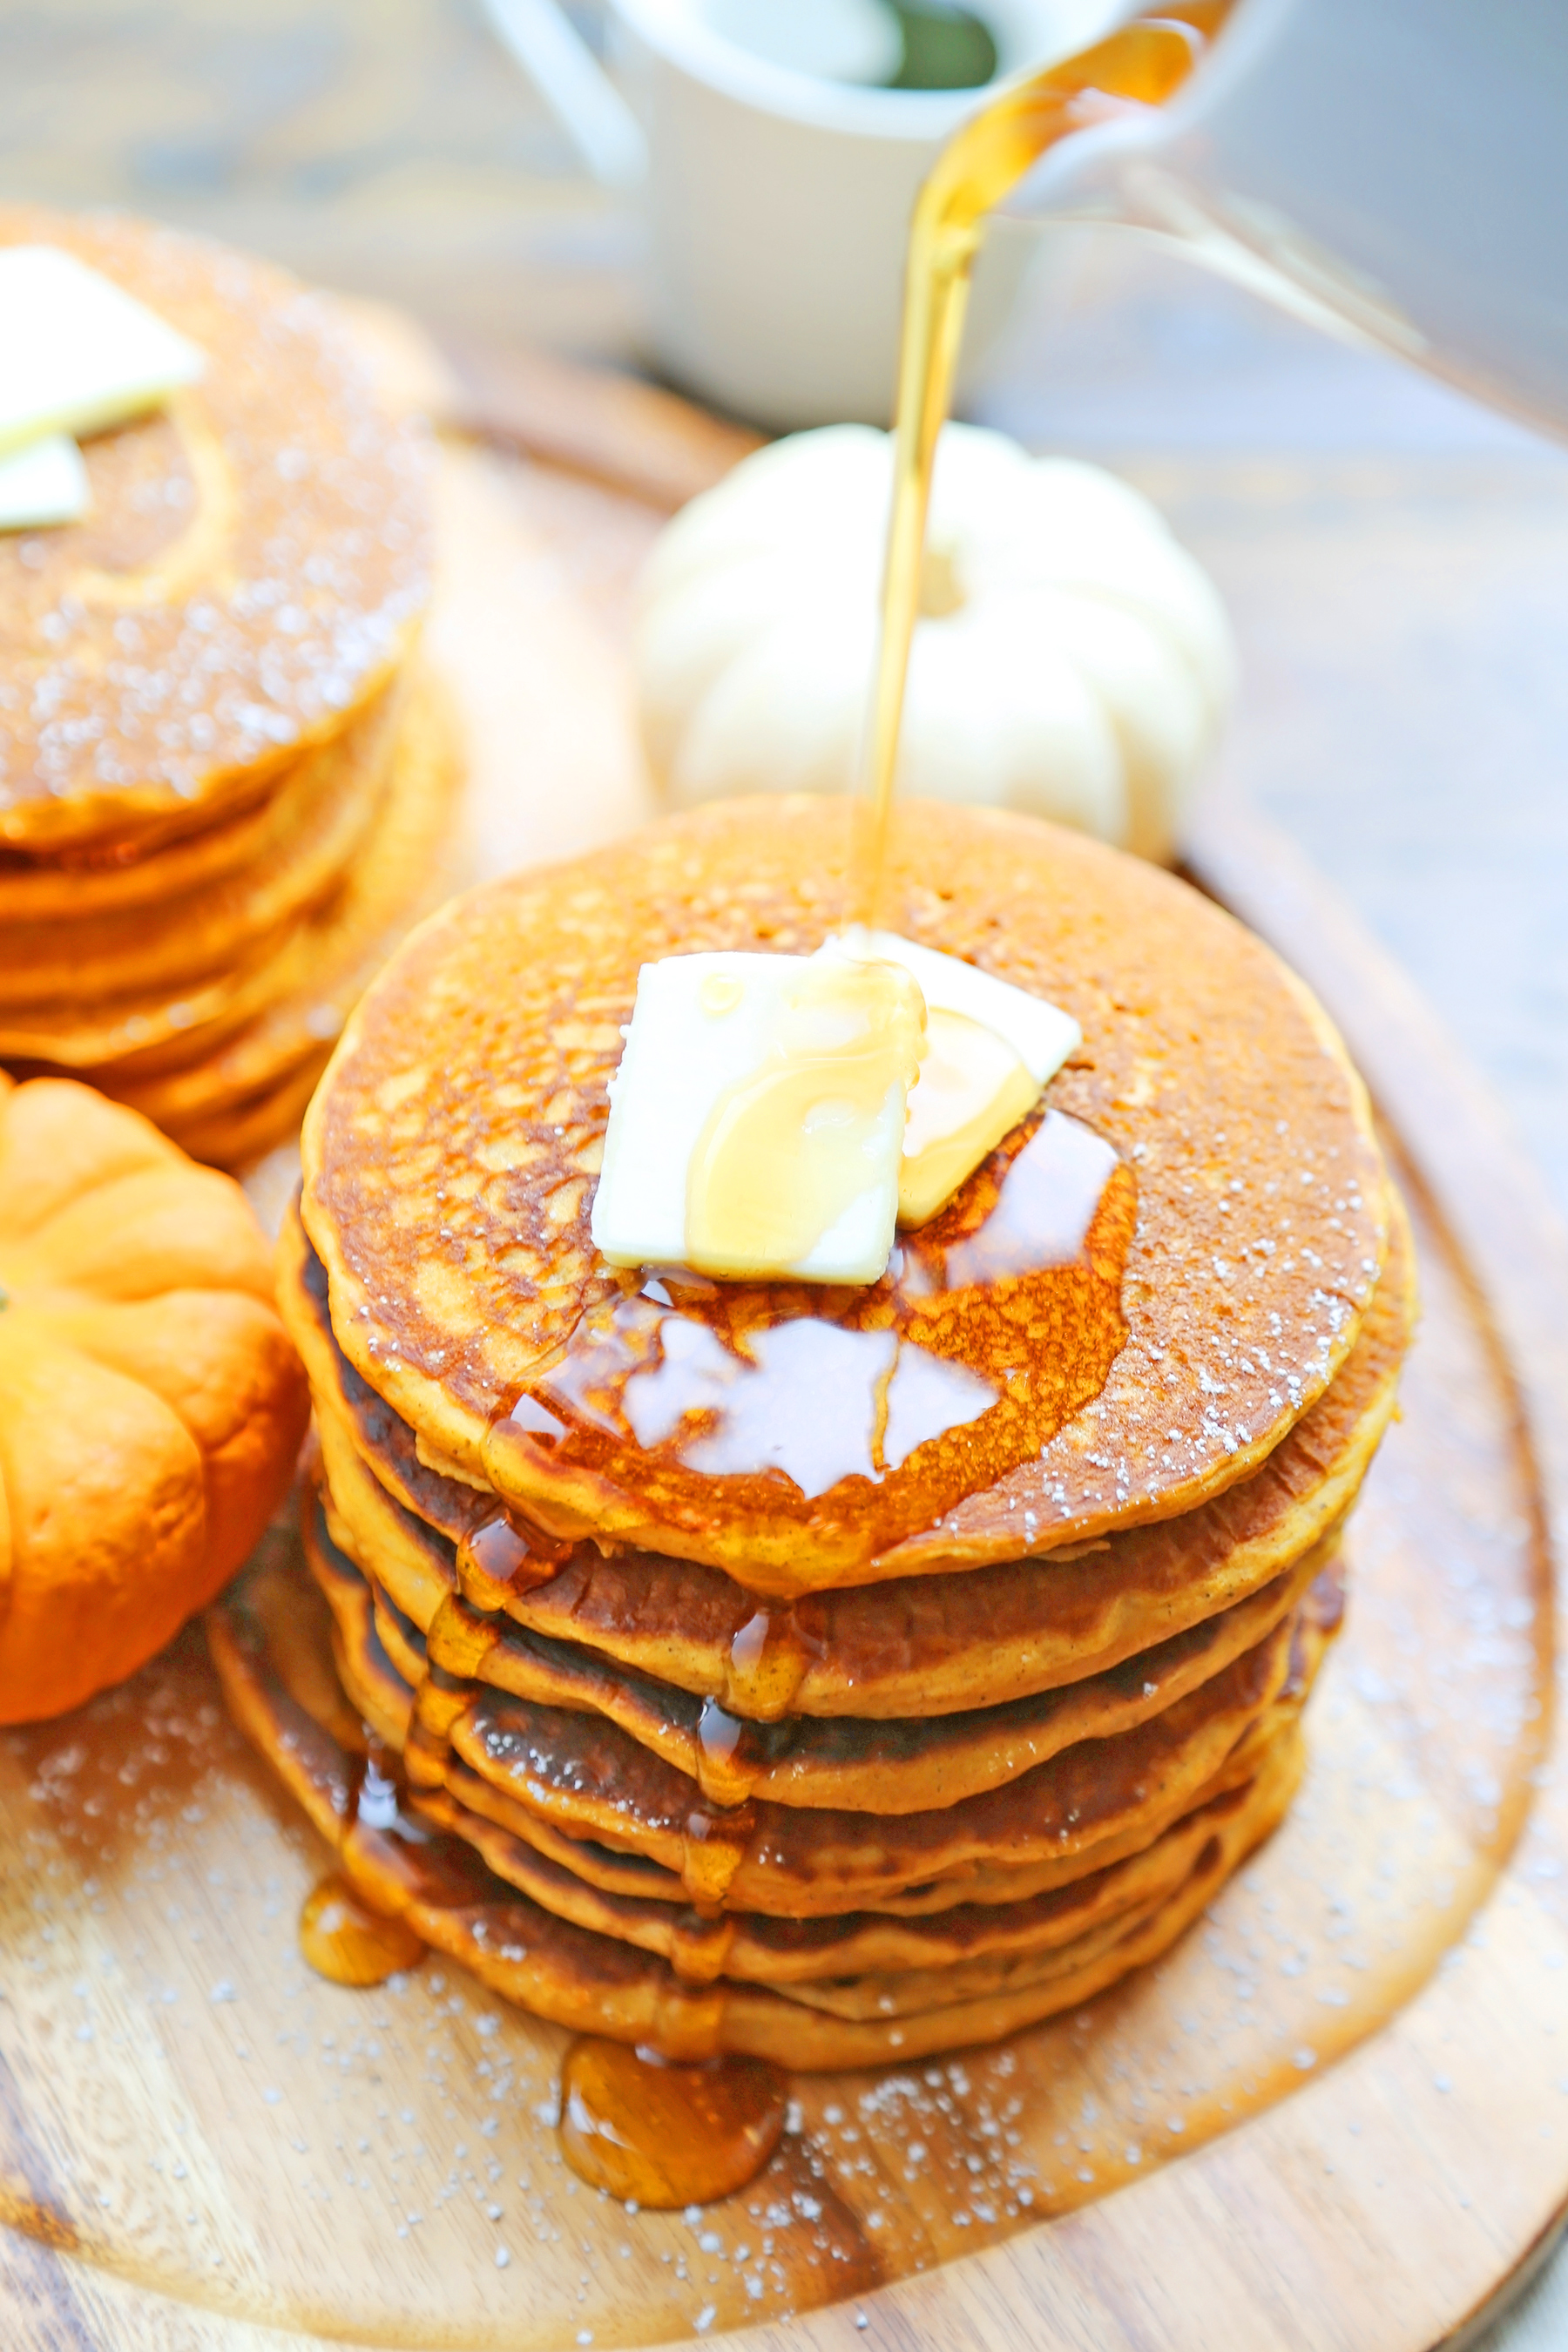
{"points": [[254, 560], [451, 1153]]}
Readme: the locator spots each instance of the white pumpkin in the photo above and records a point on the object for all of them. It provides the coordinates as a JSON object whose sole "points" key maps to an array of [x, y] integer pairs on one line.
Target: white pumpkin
{"points": [[1072, 659]]}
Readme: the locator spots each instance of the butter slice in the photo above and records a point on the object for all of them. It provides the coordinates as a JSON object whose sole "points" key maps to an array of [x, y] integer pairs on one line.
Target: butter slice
{"points": [[990, 1048], [44, 483], [78, 353], [730, 1064]]}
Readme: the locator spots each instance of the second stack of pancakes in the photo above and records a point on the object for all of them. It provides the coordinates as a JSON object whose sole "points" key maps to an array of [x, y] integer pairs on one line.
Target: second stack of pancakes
{"points": [[226, 784], [961, 1736]]}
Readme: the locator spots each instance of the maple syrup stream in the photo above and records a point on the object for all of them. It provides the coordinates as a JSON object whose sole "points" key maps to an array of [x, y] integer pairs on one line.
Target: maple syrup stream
{"points": [[669, 2134], [1143, 64]]}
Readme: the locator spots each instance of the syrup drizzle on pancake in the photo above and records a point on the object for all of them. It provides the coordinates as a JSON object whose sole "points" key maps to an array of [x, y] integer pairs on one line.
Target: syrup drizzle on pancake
{"points": [[352, 1927], [994, 1324], [500, 1558]]}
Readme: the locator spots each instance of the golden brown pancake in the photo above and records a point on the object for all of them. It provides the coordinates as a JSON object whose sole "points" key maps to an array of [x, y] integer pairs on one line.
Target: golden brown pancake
{"points": [[750, 1946], [118, 877], [925, 1646], [840, 1763], [235, 1136], [227, 1088], [518, 1761], [251, 1088], [589, 1780], [603, 1983], [81, 955], [255, 561], [451, 1150], [616, 1801]]}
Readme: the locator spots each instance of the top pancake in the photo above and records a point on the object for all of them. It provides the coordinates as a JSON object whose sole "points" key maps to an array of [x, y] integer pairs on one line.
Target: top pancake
{"points": [[450, 1153], [254, 560]]}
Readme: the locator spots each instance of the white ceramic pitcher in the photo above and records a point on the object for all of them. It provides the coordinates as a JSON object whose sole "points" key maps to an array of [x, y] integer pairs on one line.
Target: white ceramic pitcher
{"points": [[776, 200]]}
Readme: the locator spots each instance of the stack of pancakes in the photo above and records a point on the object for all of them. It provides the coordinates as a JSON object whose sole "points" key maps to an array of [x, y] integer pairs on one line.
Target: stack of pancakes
{"points": [[224, 786], [669, 1734]]}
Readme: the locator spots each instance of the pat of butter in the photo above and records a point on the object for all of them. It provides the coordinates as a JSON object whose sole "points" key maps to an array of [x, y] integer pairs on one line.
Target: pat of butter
{"points": [[44, 483], [78, 353], [757, 1118], [990, 1048]]}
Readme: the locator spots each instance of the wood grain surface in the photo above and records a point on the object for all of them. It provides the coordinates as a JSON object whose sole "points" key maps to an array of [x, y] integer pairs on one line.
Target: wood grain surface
{"points": [[1344, 2090]]}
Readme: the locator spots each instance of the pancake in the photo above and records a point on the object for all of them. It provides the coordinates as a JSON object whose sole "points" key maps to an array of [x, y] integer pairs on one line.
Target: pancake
{"points": [[82, 956], [381, 1699], [921, 1647], [237, 1135], [589, 1796], [588, 1779], [749, 1946], [521, 1760], [838, 1763], [603, 1983], [407, 863], [117, 878], [255, 561], [450, 1153], [243, 1079]]}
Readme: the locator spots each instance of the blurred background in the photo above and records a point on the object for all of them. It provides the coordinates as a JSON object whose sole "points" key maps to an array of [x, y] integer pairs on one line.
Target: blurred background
{"points": [[1394, 556], [1396, 559]]}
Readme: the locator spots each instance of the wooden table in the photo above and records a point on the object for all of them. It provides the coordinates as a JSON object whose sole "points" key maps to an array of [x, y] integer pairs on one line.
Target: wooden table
{"points": [[1394, 565]]}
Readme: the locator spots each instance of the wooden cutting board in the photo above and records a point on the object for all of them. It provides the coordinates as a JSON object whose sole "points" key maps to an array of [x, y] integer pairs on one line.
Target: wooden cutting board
{"points": [[1336, 2116]]}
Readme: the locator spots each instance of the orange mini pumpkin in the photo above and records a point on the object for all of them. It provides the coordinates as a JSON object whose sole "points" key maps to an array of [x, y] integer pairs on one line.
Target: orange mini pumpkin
{"points": [[151, 1403]]}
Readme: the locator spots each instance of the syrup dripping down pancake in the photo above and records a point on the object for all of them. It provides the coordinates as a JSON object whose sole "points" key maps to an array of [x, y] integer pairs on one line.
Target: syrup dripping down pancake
{"points": [[254, 563], [519, 1763], [599, 1982], [749, 1946], [523, 1841], [589, 1780], [845, 1763], [928, 1646], [451, 1151]]}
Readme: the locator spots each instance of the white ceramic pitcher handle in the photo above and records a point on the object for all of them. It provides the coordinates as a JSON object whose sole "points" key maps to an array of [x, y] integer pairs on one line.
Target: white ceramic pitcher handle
{"points": [[575, 86]]}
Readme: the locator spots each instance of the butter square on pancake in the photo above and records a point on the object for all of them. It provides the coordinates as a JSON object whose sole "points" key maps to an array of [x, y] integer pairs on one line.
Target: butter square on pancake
{"points": [[77, 352]]}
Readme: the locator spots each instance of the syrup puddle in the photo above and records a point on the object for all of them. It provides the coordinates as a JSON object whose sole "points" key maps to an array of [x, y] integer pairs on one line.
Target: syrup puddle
{"points": [[865, 1411], [665, 2134], [347, 1942]]}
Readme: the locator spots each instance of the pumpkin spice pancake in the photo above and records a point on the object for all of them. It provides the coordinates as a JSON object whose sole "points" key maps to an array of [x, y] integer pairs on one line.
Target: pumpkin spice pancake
{"points": [[941, 1991], [75, 954], [226, 787], [587, 1779], [853, 1662], [903, 1765], [225, 1063], [248, 1084], [1230, 1212], [929, 1645], [251, 571]]}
